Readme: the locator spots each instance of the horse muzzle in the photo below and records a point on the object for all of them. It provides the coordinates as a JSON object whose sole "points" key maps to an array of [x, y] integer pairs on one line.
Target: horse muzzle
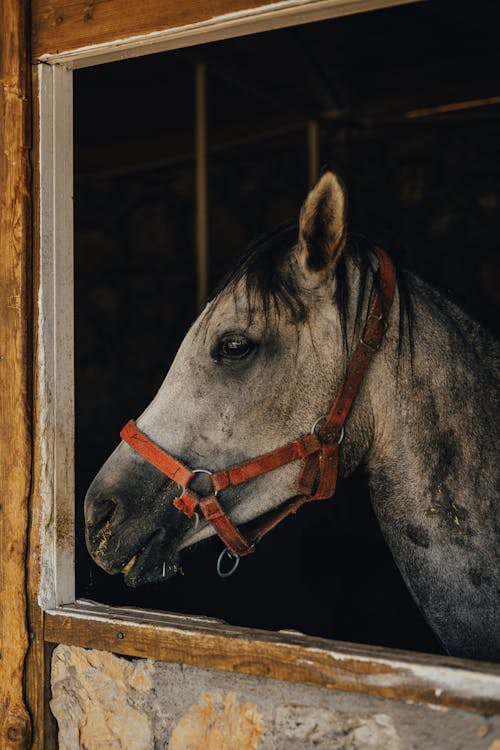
{"points": [[132, 529]]}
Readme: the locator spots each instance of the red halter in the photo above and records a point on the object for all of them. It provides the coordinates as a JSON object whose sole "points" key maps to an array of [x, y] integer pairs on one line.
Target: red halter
{"points": [[319, 451]]}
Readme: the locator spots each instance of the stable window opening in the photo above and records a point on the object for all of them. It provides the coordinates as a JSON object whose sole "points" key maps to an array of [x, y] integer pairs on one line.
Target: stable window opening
{"points": [[181, 159]]}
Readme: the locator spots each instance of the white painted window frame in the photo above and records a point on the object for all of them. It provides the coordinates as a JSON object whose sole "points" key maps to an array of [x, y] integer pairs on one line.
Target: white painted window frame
{"points": [[441, 680]]}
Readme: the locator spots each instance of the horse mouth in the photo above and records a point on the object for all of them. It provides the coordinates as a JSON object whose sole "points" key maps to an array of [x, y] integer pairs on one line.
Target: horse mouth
{"points": [[130, 564], [152, 563]]}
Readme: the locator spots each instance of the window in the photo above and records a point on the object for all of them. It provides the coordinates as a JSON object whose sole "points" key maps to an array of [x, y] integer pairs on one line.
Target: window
{"points": [[134, 206]]}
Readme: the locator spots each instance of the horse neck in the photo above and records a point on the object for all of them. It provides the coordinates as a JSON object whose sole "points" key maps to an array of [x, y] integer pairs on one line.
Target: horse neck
{"points": [[435, 416], [437, 399], [433, 470]]}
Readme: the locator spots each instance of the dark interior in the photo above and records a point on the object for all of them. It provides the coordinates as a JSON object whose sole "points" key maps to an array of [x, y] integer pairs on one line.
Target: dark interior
{"points": [[408, 106]]}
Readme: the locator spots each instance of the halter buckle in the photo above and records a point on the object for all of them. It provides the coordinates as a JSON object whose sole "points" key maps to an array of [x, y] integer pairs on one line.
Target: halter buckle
{"points": [[369, 346], [322, 419], [378, 318]]}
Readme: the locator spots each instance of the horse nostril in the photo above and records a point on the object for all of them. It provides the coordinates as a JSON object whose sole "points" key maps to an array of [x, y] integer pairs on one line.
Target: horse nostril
{"points": [[98, 511]]}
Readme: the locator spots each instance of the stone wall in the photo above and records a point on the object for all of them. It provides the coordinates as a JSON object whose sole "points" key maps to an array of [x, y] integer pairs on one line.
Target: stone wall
{"points": [[105, 702]]}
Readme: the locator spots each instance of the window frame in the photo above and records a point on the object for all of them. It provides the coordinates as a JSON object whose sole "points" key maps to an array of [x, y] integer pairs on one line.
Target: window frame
{"points": [[203, 642]]}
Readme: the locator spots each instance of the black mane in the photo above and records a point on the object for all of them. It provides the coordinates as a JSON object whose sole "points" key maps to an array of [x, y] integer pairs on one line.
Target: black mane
{"points": [[269, 279]]}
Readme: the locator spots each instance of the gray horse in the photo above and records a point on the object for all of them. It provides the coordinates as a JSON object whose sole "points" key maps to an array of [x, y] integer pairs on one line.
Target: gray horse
{"points": [[257, 370]]}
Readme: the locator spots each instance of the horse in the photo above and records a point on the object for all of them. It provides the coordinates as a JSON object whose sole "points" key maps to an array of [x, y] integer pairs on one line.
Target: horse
{"points": [[256, 374]]}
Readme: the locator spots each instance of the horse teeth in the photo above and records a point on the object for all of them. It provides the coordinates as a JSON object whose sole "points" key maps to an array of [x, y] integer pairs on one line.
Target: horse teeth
{"points": [[130, 563]]}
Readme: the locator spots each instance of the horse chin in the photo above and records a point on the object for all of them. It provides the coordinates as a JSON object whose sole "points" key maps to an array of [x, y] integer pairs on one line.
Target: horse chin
{"points": [[143, 572], [152, 564]]}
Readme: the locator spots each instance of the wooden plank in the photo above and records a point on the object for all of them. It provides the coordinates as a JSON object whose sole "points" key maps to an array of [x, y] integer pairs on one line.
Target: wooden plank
{"points": [[68, 24], [37, 665], [93, 32], [313, 151], [200, 85], [37, 681], [204, 642], [15, 366]]}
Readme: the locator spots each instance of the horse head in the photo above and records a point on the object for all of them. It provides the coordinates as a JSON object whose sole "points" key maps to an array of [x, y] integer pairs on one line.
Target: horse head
{"points": [[256, 370]]}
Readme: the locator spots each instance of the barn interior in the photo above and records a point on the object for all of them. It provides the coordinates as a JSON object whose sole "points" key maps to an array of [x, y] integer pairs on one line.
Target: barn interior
{"points": [[405, 104]]}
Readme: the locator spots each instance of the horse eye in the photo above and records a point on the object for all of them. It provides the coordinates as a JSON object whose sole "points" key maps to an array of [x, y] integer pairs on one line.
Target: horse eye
{"points": [[234, 346]]}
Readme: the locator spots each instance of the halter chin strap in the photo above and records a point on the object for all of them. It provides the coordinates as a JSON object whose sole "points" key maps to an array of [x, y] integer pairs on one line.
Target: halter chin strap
{"points": [[319, 451]]}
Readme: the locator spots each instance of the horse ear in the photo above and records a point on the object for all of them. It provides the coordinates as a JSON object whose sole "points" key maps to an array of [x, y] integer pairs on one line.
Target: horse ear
{"points": [[322, 225]]}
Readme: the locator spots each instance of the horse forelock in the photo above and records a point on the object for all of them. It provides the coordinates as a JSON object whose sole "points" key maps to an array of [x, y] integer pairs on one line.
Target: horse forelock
{"points": [[272, 285], [264, 274]]}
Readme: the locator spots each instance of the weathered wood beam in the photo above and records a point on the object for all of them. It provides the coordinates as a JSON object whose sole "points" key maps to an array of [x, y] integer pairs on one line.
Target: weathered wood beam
{"points": [[201, 185], [313, 151], [205, 642], [15, 367], [37, 664], [69, 24]]}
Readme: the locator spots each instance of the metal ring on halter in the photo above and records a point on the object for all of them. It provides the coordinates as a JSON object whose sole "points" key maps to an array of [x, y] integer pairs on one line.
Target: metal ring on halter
{"points": [[322, 419], [225, 574], [209, 473], [341, 437]]}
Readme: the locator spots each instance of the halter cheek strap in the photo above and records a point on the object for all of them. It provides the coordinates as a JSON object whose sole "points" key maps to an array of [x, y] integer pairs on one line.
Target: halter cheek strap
{"points": [[318, 451]]}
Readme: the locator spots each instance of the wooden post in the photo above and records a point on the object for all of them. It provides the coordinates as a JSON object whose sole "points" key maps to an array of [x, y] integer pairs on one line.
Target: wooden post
{"points": [[15, 367], [201, 184], [313, 151]]}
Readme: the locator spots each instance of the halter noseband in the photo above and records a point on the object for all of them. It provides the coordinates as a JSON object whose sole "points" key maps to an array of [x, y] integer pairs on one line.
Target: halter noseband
{"points": [[319, 451]]}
